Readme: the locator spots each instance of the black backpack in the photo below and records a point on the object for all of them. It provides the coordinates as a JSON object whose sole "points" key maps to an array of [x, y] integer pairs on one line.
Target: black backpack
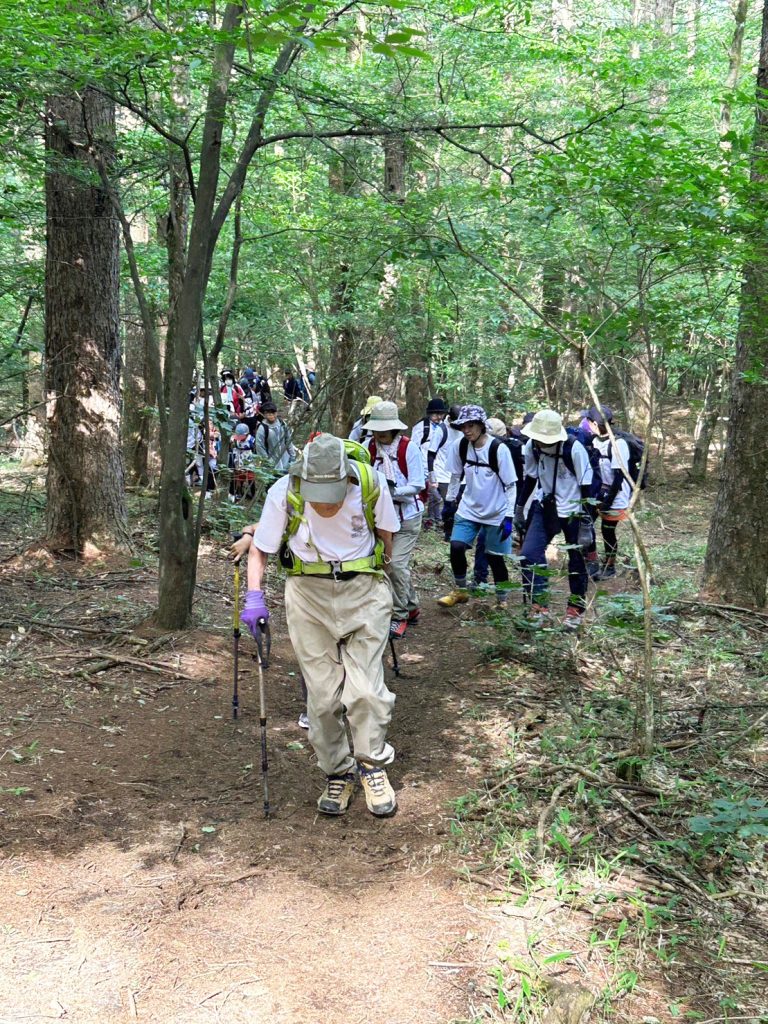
{"points": [[427, 432], [493, 455], [636, 447]]}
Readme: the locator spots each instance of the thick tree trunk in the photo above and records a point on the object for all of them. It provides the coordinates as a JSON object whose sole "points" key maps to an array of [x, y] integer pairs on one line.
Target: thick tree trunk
{"points": [[736, 564], [85, 485]]}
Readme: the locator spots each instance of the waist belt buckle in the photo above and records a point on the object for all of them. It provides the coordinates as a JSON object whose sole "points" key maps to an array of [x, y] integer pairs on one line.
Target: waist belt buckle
{"points": [[335, 570]]}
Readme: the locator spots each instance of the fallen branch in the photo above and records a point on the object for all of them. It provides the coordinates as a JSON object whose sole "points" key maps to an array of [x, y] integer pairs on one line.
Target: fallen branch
{"points": [[549, 810]]}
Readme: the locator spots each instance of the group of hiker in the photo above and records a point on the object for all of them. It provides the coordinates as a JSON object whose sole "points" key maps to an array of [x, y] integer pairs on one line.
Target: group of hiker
{"points": [[345, 519], [260, 440]]}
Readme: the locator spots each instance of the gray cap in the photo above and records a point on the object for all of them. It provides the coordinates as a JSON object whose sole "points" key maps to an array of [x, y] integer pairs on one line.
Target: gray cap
{"points": [[323, 469]]}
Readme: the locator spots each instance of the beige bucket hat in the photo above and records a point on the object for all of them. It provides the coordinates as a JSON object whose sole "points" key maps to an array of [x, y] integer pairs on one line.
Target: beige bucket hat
{"points": [[546, 426], [384, 417]]}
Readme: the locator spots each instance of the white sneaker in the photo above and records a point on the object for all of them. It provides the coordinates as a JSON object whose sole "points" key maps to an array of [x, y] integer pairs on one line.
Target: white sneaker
{"points": [[303, 722], [379, 795]]}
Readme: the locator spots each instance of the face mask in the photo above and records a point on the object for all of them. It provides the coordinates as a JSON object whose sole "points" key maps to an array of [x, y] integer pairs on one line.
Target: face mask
{"points": [[548, 449]]}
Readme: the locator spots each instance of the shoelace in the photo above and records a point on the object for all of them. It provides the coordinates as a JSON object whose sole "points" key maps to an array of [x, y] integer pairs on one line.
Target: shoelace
{"points": [[375, 779], [336, 788]]}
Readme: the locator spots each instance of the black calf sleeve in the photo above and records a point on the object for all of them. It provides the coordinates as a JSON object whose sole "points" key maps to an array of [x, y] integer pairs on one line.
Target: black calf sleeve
{"points": [[498, 567], [459, 559], [609, 537]]}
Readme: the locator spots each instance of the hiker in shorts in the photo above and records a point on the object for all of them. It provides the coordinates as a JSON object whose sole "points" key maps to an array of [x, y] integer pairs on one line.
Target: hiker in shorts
{"points": [[332, 520], [615, 491], [559, 475], [273, 442], [487, 506], [399, 460], [431, 435], [359, 432]]}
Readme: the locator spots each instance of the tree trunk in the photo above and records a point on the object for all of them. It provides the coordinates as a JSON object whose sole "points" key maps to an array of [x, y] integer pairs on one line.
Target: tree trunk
{"points": [[85, 484], [136, 400], [552, 295], [706, 422], [736, 563]]}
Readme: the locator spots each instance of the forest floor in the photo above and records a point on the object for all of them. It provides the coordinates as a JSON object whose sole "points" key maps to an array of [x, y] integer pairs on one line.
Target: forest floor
{"points": [[529, 874]]}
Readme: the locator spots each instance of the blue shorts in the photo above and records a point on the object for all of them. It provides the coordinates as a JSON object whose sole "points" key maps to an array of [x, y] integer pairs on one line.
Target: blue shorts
{"points": [[466, 531]]}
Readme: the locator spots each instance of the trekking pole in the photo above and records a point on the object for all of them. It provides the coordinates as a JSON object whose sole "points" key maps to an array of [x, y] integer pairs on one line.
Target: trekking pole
{"points": [[395, 662], [236, 638], [263, 647]]}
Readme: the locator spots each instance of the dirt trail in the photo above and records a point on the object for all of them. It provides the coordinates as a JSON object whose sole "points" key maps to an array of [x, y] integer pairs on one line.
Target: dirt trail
{"points": [[139, 878]]}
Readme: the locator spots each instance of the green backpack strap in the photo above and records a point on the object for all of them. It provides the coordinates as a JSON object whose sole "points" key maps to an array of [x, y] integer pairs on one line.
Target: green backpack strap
{"points": [[370, 491]]}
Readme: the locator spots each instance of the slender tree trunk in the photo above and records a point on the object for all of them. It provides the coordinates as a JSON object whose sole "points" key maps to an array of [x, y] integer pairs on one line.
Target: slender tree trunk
{"points": [[552, 296], [736, 563], [136, 400], [706, 422], [85, 485]]}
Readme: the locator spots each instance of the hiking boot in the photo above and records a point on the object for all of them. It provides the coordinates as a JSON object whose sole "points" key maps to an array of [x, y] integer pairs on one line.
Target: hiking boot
{"points": [[413, 616], [397, 628], [458, 596], [337, 793], [538, 614], [593, 566], [379, 795], [303, 722], [573, 618], [608, 570]]}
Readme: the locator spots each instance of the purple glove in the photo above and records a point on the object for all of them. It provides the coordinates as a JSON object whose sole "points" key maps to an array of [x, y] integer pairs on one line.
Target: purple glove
{"points": [[506, 527], [254, 611]]}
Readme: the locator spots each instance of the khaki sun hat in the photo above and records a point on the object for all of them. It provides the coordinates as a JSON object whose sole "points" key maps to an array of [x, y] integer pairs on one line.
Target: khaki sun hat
{"points": [[323, 468], [370, 403], [384, 417], [546, 426], [497, 427]]}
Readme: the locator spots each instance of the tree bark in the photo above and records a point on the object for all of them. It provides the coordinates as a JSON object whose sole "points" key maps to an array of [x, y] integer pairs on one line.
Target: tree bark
{"points": [[706, 422], [85, 483], [736, 563], [136, 399]]}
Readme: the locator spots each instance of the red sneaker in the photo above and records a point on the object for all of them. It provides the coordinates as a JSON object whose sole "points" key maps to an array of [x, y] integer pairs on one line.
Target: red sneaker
{"points": [[397, 628], [413, 616]]}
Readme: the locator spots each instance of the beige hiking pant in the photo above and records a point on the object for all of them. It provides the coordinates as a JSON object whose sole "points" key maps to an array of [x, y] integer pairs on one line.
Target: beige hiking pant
{"points": [[339, 630], [403, 544]]}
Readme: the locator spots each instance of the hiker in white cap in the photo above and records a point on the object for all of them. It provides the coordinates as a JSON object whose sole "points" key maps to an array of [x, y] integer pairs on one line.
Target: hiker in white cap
{"points": [[559, 475], [359, 431], [332, 520], [487, 505], [399, 460]]}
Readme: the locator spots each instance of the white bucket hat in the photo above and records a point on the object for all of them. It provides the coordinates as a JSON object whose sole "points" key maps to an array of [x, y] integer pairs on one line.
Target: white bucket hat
{"points": [[384, 417], [546, 426]]}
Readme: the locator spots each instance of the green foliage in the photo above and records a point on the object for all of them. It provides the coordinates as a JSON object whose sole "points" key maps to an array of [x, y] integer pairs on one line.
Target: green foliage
{"points": [[743, 819]]}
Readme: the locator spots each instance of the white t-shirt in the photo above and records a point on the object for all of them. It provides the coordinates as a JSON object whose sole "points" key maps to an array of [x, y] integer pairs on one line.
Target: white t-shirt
{"points": [[341, 538], [608, 465], [433, 438], [407, 504], [568, 488], [488, 497]]}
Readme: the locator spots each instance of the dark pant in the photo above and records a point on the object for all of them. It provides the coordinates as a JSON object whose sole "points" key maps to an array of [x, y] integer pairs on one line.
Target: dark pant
{"points": [[608, 531], [534, 556], [480, 572]]}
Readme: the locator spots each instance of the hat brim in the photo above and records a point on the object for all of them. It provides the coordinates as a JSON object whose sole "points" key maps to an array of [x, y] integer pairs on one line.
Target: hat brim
{"points": [[539, 435], [329, 492], [384, 426]]}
